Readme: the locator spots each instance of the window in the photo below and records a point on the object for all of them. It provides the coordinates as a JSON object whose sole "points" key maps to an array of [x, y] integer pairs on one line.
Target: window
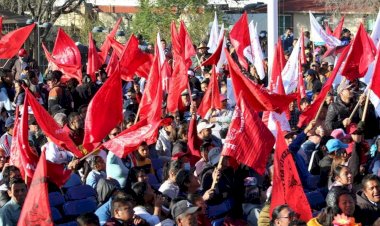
{"points": [[284, 21]]}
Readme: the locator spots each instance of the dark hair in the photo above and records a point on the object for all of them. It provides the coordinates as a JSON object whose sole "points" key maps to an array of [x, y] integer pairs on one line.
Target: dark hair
{"points": [[7, 173], [336, 171], [15, 181], [205, 146], [88, 218], [183, 178], [118, 203], [304, 101], [71, 116], [276, 212], [174, 165], [326, 216], [370, 177], [94, 161], [31, 75], [140, 189]]}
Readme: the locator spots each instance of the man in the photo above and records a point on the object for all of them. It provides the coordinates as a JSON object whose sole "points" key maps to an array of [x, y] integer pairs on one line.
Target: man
{"points": [[223, 115], [338, 113], [287, 39], [203, 53], [123, 214], [313, 83], [368, 199], [282, 216], [184, 213], [57, 93], [10, 212], [74, 128], [6, 138], [20, 64], [205, 134], [165, 138]]}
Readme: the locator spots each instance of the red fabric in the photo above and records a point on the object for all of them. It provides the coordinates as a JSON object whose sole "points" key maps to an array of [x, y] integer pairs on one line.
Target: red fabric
{"points": [[362, 53], [376, 77], [186, 43], [65, 57], [1, 26], [132, 58], [240, 39], [104, 113], [144, 69], [311, 111], [130, 139], [57, 173], [301, 86], [151, 102], [29, 157], [107, 43], [259, 98], [112, 64], [50, 128], [328, 30], [287, 187], [211, 98], [13, 41], [36, 208], [302, 54], [248, 140], [117, 47], [278, 65], [93, 59], [214, 58], [338, 30], [193, 141]]}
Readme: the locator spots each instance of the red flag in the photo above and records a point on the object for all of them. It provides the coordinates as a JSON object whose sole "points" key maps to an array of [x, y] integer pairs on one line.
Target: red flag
{"points": [[132, 58], [338, 29], [193, 140], [50, 128], [107, 43], [278, 65], [301, 85], [361, 55], [211, 98], [214, 58], [327, 28], [117, 47], [12, 42], [65, 57], [130, 139], [259, 98], [151, 102], [112, 64], [186, 44], [104, 113], [178, 83], [57, 173], [29, 157], [1, 26], [15, 155], [248, 140], [240, 39], [311, 111], [287, 187], [93, 60], [302, 54], [36, 208]]}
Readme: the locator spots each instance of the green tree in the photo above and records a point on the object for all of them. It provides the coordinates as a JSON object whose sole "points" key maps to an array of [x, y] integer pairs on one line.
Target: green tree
{"points": [[156, 17]]}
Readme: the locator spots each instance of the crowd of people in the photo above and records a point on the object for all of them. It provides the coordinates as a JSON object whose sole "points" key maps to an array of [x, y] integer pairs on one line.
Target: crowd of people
{"points": [[337, 155]]}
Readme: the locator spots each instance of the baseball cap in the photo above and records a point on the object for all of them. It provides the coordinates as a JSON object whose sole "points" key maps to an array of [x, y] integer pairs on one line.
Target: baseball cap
{"points": [[339, 134], [335, 144], [342, 87], [179, 150], [183, 207], [214, 155], [9, 122], [204, 125], [22, 52]]}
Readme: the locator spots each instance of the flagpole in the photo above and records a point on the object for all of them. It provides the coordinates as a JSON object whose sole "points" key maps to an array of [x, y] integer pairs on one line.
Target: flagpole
{"points": [[319, 110], [6, 62], [215, 181], [354, 111], [365, 107]]}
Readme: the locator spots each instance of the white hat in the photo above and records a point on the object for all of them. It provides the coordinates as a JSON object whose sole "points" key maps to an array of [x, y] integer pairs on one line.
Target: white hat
{"points": [[204, 125]]}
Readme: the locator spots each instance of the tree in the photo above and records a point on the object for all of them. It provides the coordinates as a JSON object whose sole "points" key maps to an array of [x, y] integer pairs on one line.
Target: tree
{"points": [[338, 6], [156, 17]]}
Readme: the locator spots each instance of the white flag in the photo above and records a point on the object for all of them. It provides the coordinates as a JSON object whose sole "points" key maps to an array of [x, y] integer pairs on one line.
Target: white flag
{"points": [[376, 30], [319, 36], [223, 59], [256, 57], [214, 35], [290, 72]]}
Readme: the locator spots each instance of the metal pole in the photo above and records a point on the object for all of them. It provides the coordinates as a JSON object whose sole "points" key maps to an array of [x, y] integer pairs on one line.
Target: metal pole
{"points": [[38, 45], [272, 17]]}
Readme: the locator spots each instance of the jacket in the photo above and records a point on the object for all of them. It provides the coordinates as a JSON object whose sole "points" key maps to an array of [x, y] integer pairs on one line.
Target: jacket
{"points": [[371, 211], [337, 112]]}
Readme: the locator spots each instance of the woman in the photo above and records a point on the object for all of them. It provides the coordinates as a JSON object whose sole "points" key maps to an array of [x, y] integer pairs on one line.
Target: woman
{"points": [[169, 188], [344, 204], [342, 180], [282, 215], [20, 92]]}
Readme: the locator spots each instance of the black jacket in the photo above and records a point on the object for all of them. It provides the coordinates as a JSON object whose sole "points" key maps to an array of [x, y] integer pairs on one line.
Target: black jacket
{"points": [[371, 211], [337, 112]]}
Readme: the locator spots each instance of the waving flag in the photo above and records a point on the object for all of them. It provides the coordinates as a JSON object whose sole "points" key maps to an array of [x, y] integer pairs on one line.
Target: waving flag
{"points": [[257, 57], [318, 34], [93, 60], [338, 29], [12, 42], [211, 98], [65, 57], [240, 39], [290, 72], [374, 94], [248, 140], [108, 41], [214, 36]]}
